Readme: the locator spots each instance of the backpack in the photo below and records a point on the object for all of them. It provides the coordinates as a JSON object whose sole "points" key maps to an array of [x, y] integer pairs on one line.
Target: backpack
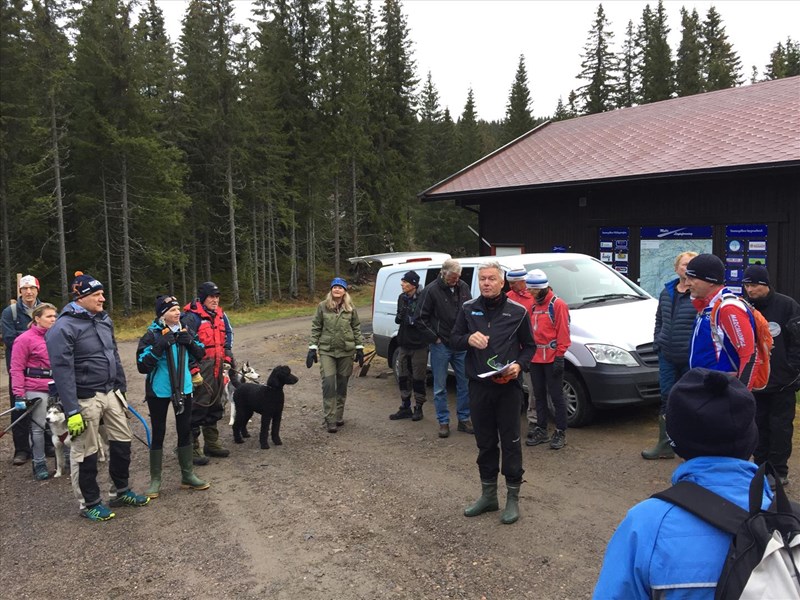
{"points": [[763, 559], [763, 340]]}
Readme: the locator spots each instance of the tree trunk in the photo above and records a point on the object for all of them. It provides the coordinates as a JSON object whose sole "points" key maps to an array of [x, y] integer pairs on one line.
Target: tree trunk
{"points": [[256, 284], [108, 287], [355, 205], [336, 227], [293, 255], [232, 222], [311, 258], [62, 245], [127, 290], [264, 264], [7, 285], [184, 293]]}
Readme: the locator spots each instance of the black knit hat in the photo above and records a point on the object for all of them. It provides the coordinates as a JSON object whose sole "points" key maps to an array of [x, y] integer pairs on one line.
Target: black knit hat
{"points": [[164, 303], [411, 277], [206, 289], [83, 285], [711, 413], [706, 267], [756, 274]]}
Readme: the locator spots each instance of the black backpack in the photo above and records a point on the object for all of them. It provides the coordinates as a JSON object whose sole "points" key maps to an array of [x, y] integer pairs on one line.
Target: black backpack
{"points": [[764, 554]]}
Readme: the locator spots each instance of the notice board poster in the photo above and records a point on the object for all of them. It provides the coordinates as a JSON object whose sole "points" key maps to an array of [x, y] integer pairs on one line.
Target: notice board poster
{"points": [[745, 245], [614, 247], [659, 246]]}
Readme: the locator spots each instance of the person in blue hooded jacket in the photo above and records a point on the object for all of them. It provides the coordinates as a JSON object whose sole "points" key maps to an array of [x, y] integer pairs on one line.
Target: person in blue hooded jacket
{"points": [[675, 318], [661, 550], [163, 355]]}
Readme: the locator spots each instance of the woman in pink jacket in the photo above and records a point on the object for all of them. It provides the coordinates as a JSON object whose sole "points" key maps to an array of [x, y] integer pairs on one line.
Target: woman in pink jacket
{"points": [[30, 373]]}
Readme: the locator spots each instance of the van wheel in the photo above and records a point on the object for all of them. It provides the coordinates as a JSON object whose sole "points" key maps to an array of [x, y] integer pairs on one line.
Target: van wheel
{"points": [[580, 410]]}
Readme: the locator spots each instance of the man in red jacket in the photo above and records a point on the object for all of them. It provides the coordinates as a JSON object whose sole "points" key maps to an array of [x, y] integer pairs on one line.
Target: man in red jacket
{"points": [[550, 324]]}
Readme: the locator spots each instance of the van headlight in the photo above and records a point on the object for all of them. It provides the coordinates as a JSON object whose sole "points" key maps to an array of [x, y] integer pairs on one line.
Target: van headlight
{"points": [[612, 355]]}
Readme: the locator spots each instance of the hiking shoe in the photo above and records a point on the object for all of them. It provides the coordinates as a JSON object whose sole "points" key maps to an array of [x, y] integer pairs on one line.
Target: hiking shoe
{"points": [[465, 426], [338, 424], [20, 458], [403, 413], [444, 430], [40, 471], [536, 437], [559, 440], [129, 498], [417, 413], [98, 512], [332, 428]]}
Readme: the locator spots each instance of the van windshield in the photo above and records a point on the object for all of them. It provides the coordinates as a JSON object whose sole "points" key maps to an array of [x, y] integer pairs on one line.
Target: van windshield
{"points": [[584, 282]]}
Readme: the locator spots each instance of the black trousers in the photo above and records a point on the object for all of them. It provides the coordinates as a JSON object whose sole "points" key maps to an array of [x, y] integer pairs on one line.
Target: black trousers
{"points": [[495, 411], [544, 380], [774, 419], [21, 432], [158, 421], [118, 468]]}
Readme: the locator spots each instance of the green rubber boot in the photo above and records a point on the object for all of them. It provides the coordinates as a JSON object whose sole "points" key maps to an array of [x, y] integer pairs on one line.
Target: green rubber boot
{"points": [[198, 457], [156, 457], [212, 447], [662, 449], [486, 503], [189, 481], [511, 511]]}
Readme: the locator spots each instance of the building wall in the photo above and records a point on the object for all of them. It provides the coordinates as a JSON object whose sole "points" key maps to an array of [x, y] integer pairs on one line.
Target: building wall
{"points": [[571, 217]]}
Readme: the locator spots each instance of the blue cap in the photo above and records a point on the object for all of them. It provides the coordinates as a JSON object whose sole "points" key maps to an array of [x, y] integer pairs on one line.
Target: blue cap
{"points": [[339, 281]]}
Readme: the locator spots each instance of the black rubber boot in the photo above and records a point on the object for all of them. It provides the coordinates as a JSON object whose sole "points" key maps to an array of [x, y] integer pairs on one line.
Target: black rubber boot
{"points": [[403, 413], [417, 413], [486, 503], [511, 511], [662, 449]]}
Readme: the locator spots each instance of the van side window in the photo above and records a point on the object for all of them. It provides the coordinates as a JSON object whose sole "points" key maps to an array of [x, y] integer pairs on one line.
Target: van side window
{"points": [[431, 276], [467, 275]]}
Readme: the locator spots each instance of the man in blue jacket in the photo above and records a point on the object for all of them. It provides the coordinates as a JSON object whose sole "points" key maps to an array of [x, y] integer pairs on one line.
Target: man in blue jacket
{"points": [[660, 550], [91, 386]]}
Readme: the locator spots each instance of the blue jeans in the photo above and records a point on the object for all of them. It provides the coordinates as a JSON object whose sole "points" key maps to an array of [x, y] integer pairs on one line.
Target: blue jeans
{"points": [[441, 356], [668, 374]]}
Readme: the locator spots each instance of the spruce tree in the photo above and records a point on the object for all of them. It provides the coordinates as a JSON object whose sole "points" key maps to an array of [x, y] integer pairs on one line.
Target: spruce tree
{"points": [[689, 63], [519, 119], [629, 71], [598, 68], [470, 144], [656, 67], [721, 63], [784, 61]]}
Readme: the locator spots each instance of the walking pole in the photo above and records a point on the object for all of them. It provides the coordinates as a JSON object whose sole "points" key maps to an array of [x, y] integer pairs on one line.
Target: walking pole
{"points": [[28, 411]]}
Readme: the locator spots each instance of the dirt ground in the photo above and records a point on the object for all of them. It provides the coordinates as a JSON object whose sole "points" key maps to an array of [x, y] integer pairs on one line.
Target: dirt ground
{"points": [[374, 511]]}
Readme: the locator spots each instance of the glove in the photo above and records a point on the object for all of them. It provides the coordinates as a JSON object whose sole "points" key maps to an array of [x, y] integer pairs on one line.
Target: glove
{"points": [[360, 357], [197, 380], [311, 358], [558, 366], [227, 363], [20, 403], [76, 425], [184, 338], [162, 342]]}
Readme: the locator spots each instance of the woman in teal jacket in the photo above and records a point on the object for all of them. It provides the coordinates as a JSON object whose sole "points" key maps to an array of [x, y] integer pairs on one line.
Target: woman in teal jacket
{"points": [[163, 355], [336, 336]]}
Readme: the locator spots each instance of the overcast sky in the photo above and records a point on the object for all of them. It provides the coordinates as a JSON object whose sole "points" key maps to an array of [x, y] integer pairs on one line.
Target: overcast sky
{"points": [[477, 43]]}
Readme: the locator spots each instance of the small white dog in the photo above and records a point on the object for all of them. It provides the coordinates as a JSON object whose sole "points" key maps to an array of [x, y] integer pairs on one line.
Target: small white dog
{"points": [[247, 375]]}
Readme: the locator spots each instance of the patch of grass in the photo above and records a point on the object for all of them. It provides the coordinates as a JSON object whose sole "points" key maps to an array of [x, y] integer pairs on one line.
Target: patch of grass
{"points": [[133, 327]]}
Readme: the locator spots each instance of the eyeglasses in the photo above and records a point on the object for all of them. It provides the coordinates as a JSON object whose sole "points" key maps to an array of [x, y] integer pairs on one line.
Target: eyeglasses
{"points": [[494, 364]]}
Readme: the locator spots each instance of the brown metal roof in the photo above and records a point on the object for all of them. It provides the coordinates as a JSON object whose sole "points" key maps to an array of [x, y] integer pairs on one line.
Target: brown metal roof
{"points": [[755, 124]]}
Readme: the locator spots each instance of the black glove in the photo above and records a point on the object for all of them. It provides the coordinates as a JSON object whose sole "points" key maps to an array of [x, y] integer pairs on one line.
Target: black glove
{"points": [[360, 357], [184, 338], [163, 342], [311, 358], [558, 366]]}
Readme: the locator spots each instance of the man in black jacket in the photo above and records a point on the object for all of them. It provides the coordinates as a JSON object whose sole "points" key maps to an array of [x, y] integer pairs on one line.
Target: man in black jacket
{"points": [[412, 351], [496, 332], [441, 303], [775, 404]]}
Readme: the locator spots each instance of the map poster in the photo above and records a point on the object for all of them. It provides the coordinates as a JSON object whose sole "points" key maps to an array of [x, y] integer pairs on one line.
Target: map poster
{"points": [[745, 245], [660, 246], [614, 247]]}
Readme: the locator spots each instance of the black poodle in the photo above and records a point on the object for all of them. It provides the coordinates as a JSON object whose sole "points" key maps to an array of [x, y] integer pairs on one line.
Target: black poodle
{"points": [[266, 400]]}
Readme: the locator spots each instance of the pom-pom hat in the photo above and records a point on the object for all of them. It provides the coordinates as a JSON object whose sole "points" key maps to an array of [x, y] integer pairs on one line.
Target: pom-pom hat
{"points": [[84, 285]]}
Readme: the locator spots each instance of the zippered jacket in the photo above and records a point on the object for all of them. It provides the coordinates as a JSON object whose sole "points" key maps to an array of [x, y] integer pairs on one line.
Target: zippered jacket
{"points": [[411, 334], [30, 350], [675, 317], [158, 382], [213, 330], [783, 314], [336, 333], [552, 338], [440, 306]]}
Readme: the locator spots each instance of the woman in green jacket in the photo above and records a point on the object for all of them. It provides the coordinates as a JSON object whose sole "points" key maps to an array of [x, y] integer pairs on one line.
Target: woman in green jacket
{"points": [[336, 336]]}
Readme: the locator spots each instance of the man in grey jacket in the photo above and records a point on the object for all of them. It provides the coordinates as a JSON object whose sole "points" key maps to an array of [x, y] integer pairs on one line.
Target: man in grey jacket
{"points": [[91, 386]]}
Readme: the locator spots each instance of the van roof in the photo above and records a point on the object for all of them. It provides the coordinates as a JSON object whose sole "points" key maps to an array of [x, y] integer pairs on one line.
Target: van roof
{"points": [[398, 258], [509, 261]]}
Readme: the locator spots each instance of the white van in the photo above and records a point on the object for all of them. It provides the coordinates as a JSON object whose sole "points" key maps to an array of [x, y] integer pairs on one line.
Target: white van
{"points": [[611, 361]]}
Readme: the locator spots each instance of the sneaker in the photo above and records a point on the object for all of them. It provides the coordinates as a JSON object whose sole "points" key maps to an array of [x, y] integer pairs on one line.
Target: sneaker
{"points": [[40, 471], [559, 440], [465, 426], [129, 498], [444, 430], [98, 512], [20, 458], [538, 436], [403, 413], [417, 413]]}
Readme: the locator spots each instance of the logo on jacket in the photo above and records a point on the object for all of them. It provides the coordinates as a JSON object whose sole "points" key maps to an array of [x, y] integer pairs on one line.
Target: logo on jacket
{"points": [[477, 313]]}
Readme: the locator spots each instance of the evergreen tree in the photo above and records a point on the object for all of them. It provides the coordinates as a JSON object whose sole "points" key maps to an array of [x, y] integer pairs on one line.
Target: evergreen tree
{"points": [[721, 63], [784, 61], [656, 68], [565, 111], [470, 145], [519, 119], [599, 67], [689, 63], [629, 82]]}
